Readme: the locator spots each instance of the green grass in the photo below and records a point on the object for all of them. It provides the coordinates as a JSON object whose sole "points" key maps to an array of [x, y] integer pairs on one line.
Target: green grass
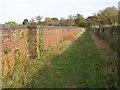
{"points": [[77, 66]]}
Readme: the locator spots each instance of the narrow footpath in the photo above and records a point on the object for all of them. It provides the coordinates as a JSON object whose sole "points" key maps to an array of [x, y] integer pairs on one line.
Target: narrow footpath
{"points": [[77, 67]]}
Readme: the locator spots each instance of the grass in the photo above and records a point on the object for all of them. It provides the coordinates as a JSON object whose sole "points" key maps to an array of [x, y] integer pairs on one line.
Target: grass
{"points": [[76, 65], [109, 63]]}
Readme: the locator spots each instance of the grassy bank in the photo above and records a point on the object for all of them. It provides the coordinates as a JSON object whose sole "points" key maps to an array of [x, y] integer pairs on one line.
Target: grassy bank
{"points": [[108, 63]]}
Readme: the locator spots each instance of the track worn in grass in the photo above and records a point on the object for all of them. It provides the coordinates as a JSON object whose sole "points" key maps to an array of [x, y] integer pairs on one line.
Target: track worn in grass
{"points": [[77, 66]]}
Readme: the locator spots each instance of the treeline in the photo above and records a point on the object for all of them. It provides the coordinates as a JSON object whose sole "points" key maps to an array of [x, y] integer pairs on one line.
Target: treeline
{"points": [[72, 20], [108, 16]]}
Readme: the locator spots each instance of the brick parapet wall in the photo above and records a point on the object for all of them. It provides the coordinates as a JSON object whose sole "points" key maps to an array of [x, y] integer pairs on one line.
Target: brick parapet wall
{"points": [[109, 34]]}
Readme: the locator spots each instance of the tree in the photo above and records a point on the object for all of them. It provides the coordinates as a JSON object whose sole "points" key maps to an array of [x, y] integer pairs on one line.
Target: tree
{"points": [[119, 15], [93, 21], [71, 20], [108, 16], [32, 21], [62, 22], [38, 19], [80, 21], [25, 22], [48, 21], [55, 22], [51, 21]]}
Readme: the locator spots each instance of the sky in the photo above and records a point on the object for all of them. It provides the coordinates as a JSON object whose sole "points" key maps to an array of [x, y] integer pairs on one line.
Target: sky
{"points": [[18, 10]]}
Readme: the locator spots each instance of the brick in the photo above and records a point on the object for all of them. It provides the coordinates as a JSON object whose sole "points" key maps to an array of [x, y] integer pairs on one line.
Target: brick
{"points": [[12, 40]]}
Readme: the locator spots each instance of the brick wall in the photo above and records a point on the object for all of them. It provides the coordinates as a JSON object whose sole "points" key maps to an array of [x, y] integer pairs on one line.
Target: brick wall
{"points": [[52, 37], [22, 44], [110, 35]]}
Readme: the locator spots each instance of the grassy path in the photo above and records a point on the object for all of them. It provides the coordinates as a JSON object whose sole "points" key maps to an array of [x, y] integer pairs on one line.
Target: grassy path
{"points": [[77, 66]]}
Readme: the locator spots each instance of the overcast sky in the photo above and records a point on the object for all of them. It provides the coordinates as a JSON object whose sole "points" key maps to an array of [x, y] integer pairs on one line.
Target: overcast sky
{"points": [[18, 10]]}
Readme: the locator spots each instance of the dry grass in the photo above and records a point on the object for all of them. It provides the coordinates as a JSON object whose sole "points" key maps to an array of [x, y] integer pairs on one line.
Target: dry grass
{"points": [[109, 62]]}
